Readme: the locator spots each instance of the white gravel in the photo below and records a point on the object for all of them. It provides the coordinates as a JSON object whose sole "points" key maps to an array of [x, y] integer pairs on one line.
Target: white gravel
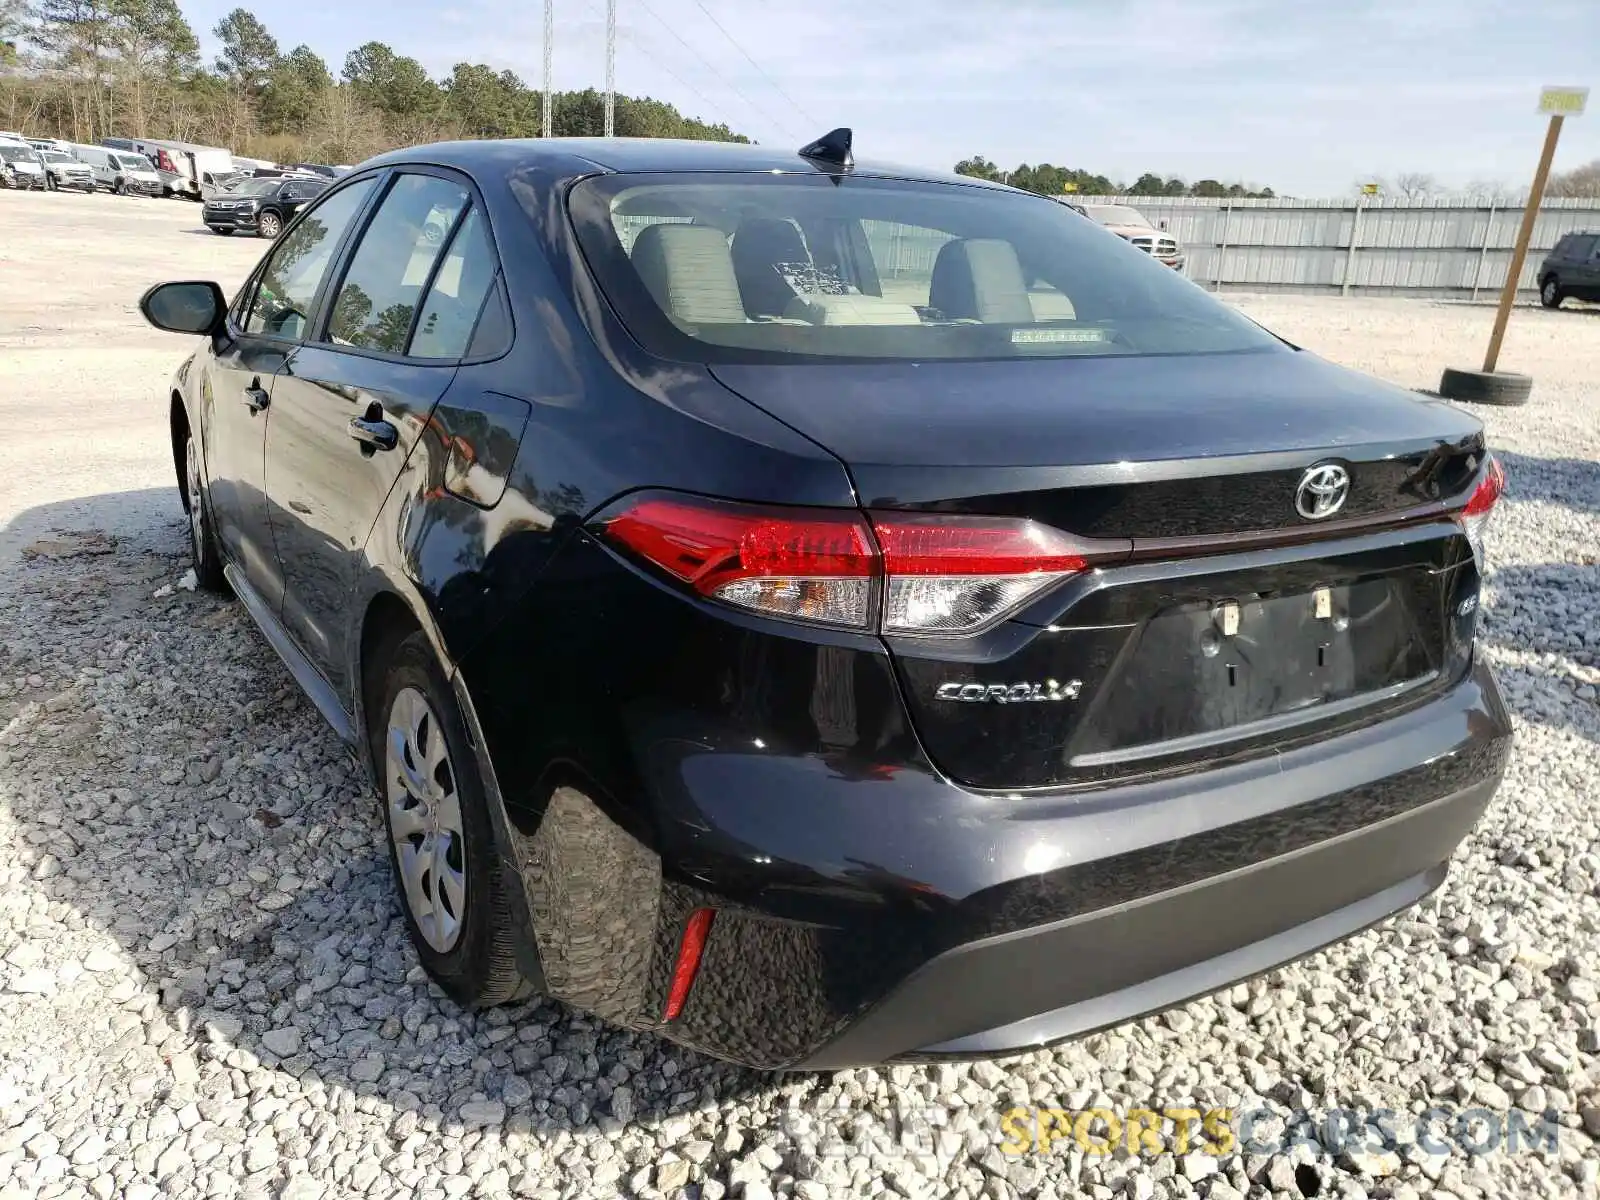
{"points": [[205, 988]]}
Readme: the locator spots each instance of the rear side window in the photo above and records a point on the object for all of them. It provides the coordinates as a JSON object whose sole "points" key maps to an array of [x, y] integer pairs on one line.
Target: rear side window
{"points": [[293, 272], [466, 273], [1581, 247], [794, 267], [382, 287]]}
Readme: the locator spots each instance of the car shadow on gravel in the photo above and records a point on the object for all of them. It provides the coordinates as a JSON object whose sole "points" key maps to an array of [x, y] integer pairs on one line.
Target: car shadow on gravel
{"points": [[1573, 483], [163, 783]]}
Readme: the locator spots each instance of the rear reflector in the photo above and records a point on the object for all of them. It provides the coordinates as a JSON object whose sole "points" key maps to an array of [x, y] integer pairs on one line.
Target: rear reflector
{"points": [[1474, 518], [943, 575], [690, 948]]}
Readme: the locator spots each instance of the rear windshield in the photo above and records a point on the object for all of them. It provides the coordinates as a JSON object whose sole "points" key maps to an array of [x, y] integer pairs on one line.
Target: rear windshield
{"points": [[759, 268]]}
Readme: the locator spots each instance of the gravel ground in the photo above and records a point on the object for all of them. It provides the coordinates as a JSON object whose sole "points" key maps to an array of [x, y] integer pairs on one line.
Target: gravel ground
{"points": [[205, 986]]}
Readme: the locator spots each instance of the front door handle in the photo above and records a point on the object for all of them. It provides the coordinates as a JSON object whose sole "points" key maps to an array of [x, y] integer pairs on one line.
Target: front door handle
{"points": [[374, 433], [256, 396]]}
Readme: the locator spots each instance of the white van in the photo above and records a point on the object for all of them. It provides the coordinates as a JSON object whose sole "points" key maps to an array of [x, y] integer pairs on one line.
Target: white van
{"points": [[122, 171], [183, 166]]}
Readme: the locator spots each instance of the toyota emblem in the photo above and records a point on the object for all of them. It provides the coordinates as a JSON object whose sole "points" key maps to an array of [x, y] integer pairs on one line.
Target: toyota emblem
{"points": [[1322, 491]]}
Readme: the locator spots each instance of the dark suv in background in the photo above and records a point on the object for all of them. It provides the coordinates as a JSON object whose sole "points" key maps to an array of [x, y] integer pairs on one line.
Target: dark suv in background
{"points": [[261, 206], [1572, 269]]}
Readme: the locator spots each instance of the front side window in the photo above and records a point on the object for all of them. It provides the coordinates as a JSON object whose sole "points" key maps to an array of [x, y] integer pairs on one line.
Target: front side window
{"points": [[378, 296], [293, 273], [796, 267]]}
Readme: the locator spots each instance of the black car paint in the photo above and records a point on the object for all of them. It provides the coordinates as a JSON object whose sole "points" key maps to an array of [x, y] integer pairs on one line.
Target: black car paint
{"points": [[653, 752]]}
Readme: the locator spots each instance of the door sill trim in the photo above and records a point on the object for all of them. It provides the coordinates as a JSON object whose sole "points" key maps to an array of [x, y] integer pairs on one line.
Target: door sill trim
{"points": [[317, 689]]}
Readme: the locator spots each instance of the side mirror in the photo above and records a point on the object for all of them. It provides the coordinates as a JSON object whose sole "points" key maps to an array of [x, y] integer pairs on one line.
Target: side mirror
{"points": [[191, 307]]}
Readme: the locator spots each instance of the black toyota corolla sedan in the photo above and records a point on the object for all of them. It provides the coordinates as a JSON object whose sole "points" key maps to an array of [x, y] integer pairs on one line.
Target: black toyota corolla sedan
{"points": [[832, 614]]}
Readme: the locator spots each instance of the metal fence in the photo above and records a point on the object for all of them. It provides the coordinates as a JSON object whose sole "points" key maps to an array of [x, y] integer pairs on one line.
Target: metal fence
{"points": [[1457, 248]]}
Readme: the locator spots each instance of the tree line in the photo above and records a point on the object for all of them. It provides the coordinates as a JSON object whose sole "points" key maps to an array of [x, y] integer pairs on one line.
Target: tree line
{"points": [[1049, 180], [87, 69]]}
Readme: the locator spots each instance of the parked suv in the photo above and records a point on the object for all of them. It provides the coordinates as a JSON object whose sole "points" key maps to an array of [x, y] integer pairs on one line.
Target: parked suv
{"points": [[260, 206], [819, 672], [1572, 268], [64, 171]]}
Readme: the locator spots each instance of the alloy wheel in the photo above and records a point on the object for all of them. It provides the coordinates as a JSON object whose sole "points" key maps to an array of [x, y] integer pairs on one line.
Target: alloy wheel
{"points": [[424, 812], [197, 512], [1552, 293], [269, 226]]}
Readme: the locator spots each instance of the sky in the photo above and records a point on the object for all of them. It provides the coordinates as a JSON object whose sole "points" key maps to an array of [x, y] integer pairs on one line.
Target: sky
{"points": [[1308, 97]]}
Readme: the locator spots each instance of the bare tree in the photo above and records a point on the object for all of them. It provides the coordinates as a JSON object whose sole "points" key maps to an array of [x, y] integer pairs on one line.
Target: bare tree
{"points": [[1414, 185], [1496, 191], [1581, 182]]}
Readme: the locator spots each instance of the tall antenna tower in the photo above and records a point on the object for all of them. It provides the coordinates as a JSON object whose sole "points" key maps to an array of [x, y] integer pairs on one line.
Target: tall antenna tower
{"points": [[611, 68], [549, 38]]}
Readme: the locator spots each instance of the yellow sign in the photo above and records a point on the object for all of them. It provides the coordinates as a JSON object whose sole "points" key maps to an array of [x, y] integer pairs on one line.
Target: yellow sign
{"points": [[1369, 189], [1563, 101], [1069, 187]]}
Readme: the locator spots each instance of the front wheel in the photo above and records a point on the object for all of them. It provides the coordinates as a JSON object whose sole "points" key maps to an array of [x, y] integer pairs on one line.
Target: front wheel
{"points": [[453, 891], [269, 225], [1550, 293], [203, 550]]}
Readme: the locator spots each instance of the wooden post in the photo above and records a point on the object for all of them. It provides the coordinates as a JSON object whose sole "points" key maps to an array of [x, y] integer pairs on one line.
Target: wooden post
{"points": [[1524, 235]]}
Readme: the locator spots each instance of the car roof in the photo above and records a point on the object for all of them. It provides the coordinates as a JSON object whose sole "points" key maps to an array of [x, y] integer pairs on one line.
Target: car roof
{"points": [[585, 156]]}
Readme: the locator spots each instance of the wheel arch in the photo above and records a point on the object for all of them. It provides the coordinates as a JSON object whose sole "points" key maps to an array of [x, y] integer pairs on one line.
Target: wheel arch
{"points": [[178, 422], [388, 618]]}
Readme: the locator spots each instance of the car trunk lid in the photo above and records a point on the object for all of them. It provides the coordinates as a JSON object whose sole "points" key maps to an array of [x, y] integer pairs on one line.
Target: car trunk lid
{"points": [[1218, 619]]}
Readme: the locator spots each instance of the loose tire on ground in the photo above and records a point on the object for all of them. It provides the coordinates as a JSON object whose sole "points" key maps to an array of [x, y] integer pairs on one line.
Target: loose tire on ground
{"points": [[1503, 388], [475, 961]]}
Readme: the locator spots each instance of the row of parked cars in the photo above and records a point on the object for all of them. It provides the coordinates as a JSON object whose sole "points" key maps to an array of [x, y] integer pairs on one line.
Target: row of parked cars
{"points": [[136, 166]]}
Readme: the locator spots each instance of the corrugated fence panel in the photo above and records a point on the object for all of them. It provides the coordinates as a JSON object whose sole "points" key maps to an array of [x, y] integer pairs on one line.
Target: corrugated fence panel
{"points": [[1448, 247]]}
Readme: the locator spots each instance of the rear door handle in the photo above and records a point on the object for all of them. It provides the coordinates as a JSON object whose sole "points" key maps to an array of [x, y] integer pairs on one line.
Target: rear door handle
{"points": [[374, 433], [256, 396]]}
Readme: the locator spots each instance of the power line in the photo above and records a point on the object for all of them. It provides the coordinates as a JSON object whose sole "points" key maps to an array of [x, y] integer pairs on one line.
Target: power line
{"points": [[775, 85], [776, 124], [711, 104]]}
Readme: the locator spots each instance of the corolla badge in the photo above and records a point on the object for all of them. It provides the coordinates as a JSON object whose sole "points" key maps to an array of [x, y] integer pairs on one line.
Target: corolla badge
{"points": [[1322, 491], [1010, 693]]}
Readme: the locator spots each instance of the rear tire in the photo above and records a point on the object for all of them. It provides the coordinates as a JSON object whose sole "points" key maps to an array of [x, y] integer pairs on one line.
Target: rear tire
{"points": [[1550, 293], [1502, 388], [455, 896]]}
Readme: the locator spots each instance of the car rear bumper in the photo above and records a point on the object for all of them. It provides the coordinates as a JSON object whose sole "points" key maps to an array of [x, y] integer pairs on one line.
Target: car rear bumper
{"points": [[867, 916]]}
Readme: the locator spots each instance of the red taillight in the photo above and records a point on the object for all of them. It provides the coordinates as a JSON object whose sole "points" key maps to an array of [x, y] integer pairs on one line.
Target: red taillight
{"points": [[938, 545], [690, 948], [950, 576], [1489, 490], [942, 575], [1474, 518], [815, 566]]}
